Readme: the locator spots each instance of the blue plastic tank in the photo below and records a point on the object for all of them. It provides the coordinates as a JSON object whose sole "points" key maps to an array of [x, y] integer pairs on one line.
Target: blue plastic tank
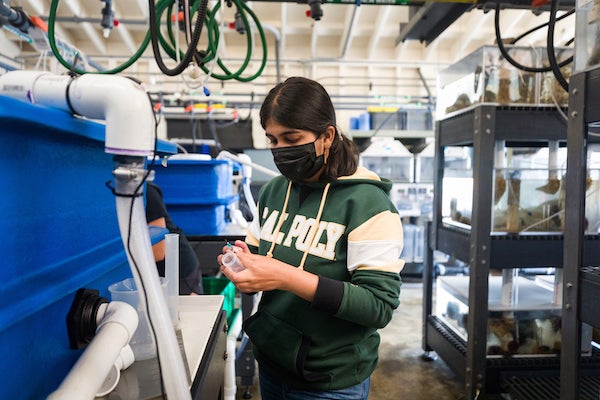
{"points": [[60, 233]]}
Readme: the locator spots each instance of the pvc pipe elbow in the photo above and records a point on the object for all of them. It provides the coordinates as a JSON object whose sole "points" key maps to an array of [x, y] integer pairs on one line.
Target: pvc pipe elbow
{"points": [[125, 359], [120, 313], [123, 104], [97, 371]]}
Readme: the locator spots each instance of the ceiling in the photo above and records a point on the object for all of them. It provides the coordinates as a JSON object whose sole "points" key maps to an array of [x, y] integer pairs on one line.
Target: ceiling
{"points": [[356, 51]]}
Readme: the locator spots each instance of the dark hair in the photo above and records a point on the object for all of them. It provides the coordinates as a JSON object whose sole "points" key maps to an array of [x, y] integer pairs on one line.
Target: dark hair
{"points": [[304, 104]]}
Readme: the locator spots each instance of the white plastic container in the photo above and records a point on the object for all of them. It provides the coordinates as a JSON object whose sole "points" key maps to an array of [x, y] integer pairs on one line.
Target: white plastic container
{"points": [[142, 342]]}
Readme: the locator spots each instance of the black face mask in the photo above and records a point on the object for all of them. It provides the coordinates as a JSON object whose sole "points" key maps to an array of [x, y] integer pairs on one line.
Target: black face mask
{"points": [[298, 163]]}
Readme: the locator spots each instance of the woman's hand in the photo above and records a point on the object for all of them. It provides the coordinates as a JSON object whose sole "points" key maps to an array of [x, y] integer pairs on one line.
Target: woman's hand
{"points": [[263, 273]]}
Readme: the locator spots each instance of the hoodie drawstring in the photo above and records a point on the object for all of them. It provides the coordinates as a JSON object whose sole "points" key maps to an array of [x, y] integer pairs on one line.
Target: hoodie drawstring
{"points": [[282, 218], [318, 218]]}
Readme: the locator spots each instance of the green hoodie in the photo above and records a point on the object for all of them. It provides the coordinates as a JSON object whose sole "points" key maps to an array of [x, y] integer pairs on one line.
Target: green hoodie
{"points": [[331, 343]]}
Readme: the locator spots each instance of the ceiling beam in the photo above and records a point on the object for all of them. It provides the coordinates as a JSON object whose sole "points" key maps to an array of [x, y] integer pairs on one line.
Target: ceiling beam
{"points": [[476, 22], [381, 23], [352, 15], [283, 29], [40, 9], [143, 6], [92, 34], [124, 33], [431, 52]]}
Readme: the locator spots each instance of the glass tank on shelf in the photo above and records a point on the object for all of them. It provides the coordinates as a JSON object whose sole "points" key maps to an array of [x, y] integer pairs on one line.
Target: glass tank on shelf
{"points": [[528, 188], [457, 185], [389, 158], [485, 76], [587, 35], [551, 92], [592, 189], [523, 320]]}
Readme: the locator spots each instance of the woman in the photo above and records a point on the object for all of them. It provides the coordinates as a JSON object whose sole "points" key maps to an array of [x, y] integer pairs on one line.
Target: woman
{"points": [[324, 251]]}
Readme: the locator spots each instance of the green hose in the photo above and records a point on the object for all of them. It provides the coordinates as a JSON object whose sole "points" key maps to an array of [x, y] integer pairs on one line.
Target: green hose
{"points": [[210, 54], [56, 52]]}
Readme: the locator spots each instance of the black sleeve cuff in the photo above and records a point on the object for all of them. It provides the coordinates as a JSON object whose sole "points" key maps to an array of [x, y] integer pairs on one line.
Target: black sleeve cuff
{"points": [[329, 294]]}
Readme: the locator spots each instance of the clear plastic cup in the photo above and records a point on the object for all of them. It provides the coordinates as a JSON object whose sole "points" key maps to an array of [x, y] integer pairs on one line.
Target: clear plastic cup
{"points": [[142, 342]]}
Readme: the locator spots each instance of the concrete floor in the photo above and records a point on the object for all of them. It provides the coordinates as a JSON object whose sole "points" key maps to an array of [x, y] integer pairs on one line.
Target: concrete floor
{"points": [[401, 372]]}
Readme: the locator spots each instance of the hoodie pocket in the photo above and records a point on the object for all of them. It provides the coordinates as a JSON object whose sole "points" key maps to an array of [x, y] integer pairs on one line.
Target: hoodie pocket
{"points": [[284, 345]]}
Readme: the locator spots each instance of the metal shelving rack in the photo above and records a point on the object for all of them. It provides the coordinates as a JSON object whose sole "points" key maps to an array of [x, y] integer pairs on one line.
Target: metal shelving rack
{"points": [[480, 126], [581, 287]]}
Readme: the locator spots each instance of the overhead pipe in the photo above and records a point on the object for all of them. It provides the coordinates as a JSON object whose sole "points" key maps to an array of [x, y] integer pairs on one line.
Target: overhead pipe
{"points": [[15, 16], [130, 134], [277, 36], [349, 33], [247, 163], [117, 322]]}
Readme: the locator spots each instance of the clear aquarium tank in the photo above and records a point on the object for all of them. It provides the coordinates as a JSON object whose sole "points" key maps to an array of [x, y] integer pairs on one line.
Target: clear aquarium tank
{"points": [[529, 188], [551, 92], [485, 76], [587, 35]]}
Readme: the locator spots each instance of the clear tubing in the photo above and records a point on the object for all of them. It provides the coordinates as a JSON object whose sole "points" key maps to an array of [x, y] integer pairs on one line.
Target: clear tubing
{"points": [[172, 275], [132, 223], [244, 161]]}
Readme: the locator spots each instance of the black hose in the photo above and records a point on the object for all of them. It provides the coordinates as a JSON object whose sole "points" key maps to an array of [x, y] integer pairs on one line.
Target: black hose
{"points": [[550, 45], [535, 28], [511, 60], [191, 51]]}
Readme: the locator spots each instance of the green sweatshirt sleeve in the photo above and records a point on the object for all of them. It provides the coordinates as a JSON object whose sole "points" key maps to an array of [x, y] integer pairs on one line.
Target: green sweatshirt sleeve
{"points": [[370, 298]]}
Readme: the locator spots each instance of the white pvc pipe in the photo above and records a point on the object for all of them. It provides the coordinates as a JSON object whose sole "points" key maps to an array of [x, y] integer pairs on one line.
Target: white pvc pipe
{"points": [[124, 361], [119, 101], [136, 239], [230, 387], [241, 160], [246, 162], [117, 322], [172, 274]]}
